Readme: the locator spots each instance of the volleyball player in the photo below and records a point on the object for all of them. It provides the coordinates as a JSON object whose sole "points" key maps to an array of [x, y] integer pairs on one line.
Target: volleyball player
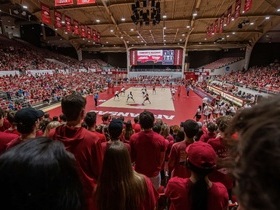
{"points": [[130, 96], [154, 89], [146, 98], [116, 95], [123, 91]]}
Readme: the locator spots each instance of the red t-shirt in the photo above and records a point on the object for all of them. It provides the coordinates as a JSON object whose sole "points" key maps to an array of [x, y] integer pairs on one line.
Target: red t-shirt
{"points": [[5, 139], [178, 191], [178, 159], [206, 136], [14, 131], [147, 151], [101, 136], [86, 148], [219, 147]]}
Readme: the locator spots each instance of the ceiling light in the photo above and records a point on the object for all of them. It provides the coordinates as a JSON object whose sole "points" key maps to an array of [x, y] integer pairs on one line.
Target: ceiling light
{"points": [[142, 41], [164, 35], [164, 27], [233, 32], [227, 36], [225, 25], [114, 45], [132, 45], [205, 39], [164, 43], [267, 17], [200, 43], [98, 21], [138, 37], [132, 29], [243, 12], [164, 16], [223, 38], [62, 22], [183, 34], [127, 41], [252, 23], [55, 29], [121, 37], [123, 19], [278, 10], [180, 40], [24, 7], [195, 14], [88, 40], [107, 42], [188, 26], [111, 30], [164, 40]]}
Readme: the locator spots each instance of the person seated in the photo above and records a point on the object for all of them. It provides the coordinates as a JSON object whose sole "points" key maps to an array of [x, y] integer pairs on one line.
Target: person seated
{"points": [[40, 174]]}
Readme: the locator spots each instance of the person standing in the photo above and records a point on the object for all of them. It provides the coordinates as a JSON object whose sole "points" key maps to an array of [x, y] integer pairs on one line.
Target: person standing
{"points": [[95, 97], [85, 145], [146, 98], [198, 192], [119, 186], [130, 96], [148, 146]]}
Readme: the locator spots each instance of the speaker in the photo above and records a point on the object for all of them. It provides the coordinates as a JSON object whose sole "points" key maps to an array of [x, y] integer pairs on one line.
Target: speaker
{"points": [[153, 4]]}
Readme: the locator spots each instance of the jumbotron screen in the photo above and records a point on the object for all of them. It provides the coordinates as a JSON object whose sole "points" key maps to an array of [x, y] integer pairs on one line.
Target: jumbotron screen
{"points": [[156, 57]]}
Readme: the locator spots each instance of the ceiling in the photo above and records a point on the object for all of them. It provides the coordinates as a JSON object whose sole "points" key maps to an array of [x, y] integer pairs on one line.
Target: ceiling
{"points": [[180, 27]]}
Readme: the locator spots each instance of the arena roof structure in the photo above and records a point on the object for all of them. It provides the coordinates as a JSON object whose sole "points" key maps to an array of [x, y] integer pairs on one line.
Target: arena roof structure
{"points": [[182, 23]]}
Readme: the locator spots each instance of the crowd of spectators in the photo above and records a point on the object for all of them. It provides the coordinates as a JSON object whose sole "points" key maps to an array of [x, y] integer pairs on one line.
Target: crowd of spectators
{"points": [[190, 164], [264, 79]]}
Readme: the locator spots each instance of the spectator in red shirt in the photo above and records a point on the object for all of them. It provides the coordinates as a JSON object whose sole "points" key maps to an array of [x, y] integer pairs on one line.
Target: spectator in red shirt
{"points": [[121, 188], [197, 192], [90, 120], [5, 138], [178, 156], [210, 133], [84, 144], [27, 121], [13, 128], [148, 149], [136, 126], [40, 174]]}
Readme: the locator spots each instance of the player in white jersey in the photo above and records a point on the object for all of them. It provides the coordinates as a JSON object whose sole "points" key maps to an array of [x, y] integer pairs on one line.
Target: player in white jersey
{"points": [[123, 91], [173, 91], [130, 96], [116, 95]]}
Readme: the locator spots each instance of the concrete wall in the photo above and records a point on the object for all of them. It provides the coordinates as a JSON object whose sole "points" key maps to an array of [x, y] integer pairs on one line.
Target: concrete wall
{"points": [[228, 68]]}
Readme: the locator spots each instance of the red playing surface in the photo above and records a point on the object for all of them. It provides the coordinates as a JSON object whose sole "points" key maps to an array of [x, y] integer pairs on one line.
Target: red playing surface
{"points": [[185, 108]]}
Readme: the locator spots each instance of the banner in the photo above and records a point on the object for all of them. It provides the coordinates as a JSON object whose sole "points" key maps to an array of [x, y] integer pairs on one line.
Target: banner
{"points": [[229, 15], [98, 37], [237, 9], [94, 35], [76, 27], [82, 31], [57, 19], [85, 2], [58, 3], [68, 26], [89, 32], [45, 13], [248, 5], [222, 23], [216, 26]]}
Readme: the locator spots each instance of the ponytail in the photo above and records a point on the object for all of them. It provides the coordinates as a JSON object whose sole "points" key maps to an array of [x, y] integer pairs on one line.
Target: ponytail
{"points": [[199, 190]]}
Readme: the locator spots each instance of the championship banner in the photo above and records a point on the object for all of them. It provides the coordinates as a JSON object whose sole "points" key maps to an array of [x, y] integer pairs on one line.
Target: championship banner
{"points": [[248, 5], [86, 2], [68, 26], [58, 3], [221, 29], [45, 13], [89, 32], [98, 37], [57, 19], [216, 26], [76, 27], [94, 35], [237, 9], [82, 31], [229, 15]]}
